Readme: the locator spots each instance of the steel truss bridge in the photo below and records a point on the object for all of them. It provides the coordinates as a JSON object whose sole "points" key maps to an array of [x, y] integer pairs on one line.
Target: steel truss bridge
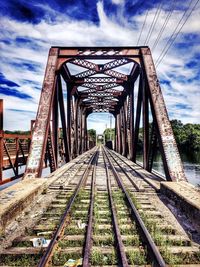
{"points": [[101, 208], [79, 81]]}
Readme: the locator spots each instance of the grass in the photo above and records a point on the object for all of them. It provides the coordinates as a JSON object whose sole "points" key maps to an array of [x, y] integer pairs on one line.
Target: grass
{"points": [[107, 241], [132, 241], [164, 242], [74, 231], [136, 257], [60, 258], [105, 231], [23, 244], [97, 258], [181, 258], [127, 230], [19, 260]]}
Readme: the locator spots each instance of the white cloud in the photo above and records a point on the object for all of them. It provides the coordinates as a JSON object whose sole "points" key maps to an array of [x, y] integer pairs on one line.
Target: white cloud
{"points": [[103, 120], [110, 31], [118, 2]]}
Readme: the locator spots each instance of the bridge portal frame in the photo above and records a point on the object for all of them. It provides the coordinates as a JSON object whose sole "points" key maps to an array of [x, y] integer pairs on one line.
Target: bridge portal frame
{"points": [[74, 121]]}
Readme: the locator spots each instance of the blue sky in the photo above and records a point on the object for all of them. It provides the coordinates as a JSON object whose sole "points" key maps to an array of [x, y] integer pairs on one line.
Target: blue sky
{"points": [[29, 28]]}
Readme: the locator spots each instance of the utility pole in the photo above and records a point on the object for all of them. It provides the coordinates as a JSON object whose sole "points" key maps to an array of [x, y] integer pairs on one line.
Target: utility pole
{"points": [[105, 135]]}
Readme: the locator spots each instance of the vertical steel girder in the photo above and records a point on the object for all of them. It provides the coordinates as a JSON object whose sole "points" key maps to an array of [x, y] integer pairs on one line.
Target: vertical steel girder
{"points": [[55, 124], [63, 121], [171, 158], [40, 132], [124, 122], [138, 115], [69, 123], [131, 99], [145, 117], [16, 157]]}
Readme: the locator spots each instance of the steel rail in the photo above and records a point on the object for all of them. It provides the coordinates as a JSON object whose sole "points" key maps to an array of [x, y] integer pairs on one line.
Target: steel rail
{"points": [[154, 253], [47, 255], [120, 245], [88, 240], [74, 163], [136, 172], [130, 179]]}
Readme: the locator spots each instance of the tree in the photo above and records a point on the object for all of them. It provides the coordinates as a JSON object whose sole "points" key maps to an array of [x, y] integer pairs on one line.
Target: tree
{"points": [[178, 131], [109, 134], [187, 136], [92, 134]]}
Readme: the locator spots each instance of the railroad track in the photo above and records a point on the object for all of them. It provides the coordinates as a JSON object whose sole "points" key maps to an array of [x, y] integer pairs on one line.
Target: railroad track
{"points": [[106, 215]]}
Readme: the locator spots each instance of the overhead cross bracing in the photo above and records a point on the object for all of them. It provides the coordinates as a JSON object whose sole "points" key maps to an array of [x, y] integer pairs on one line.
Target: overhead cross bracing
{"points": [[101, 83], [102, 79]]}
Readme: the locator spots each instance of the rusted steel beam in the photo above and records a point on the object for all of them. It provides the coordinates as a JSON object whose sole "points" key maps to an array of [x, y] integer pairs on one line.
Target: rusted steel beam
{"points": [[40, 132], [124, 121], [69, 121], [72, 114], [50, 150], [96, 87], [14, 136], [10, 160], [85, 64], [22, 151], [55, 124], [110, 85], [76, 126], [128, 117], [85, 134], [99, 80], [82, 132], [98, 52], [16, 156], [85, 74], [131, 121], [116, 74], [138, 115], [63, 120], [115, 63], [112, 73], [92, 87], [145, 126], [120, 132], [106, 92], [152, 147], [115, 138], [171, 158]]}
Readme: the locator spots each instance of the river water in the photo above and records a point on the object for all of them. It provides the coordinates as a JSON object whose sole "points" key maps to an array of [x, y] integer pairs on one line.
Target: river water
{"points": [[191, 164]]}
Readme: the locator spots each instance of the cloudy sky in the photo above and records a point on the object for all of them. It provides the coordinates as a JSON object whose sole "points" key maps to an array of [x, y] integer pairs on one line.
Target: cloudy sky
{"points": [[28, 29]]}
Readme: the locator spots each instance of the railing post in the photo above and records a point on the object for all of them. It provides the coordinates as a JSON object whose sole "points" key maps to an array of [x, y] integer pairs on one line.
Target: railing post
{"points": [[16, 156]]}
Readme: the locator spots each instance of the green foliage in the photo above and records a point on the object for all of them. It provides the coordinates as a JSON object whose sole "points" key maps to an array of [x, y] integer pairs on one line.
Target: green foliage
{"points": [[17, 132], [92, 134], [187, 135], [109, 134]]}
